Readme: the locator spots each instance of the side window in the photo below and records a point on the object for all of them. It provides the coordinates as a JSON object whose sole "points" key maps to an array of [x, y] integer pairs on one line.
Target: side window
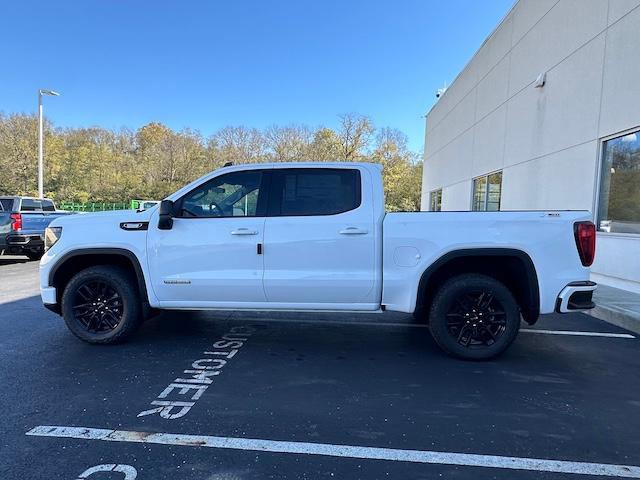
{"points": [[47, 206], [315, 191], [435, 201], [7, 204], [487, 193], [234, 194], [31, 205]]}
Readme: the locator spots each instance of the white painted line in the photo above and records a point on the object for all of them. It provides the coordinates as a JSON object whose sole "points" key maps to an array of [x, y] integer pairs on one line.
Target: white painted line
{"points": [[578, 334], [422, 325], [347, 451]]}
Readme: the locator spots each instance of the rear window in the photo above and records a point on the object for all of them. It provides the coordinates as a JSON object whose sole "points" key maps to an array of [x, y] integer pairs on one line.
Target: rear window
{"points": [[47, 206], [31, 205], [6, 204]]}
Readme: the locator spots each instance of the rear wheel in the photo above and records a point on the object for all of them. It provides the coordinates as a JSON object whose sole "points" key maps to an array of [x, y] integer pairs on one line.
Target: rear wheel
{"points": [[101, 305], [474, 317]]}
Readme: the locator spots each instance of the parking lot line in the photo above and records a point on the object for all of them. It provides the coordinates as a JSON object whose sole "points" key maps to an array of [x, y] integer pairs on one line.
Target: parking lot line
{"points": [[422, 325], [578, 334], [347, 451]]}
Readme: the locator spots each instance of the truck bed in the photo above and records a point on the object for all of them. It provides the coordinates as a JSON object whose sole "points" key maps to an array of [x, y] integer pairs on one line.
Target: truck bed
{"points": [[414, 241]]}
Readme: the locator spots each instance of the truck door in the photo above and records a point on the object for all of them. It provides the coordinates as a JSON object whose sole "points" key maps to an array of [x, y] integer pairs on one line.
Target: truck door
{"points": [[319, 243], [210, 256]]}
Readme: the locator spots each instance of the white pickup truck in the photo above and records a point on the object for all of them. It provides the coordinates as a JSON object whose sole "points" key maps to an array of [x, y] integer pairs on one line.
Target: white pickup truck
{"points": [[315, 237]]}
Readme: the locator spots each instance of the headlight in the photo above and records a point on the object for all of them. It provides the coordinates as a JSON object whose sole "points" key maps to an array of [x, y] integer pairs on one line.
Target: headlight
{"points": [[51, 236]]}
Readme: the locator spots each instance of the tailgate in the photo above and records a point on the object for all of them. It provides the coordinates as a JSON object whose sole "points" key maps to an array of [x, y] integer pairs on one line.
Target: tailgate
{"points": [[35, 223]]}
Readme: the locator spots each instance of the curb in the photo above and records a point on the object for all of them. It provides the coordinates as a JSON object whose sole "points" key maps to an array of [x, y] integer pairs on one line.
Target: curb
{"points": [[617, 316]]}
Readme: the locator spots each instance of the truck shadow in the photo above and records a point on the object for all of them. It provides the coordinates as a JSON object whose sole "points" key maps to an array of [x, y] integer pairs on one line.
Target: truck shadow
{"points": [[10, 260]]}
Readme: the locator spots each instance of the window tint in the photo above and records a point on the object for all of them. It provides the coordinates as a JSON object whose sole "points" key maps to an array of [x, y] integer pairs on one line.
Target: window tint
{"points": [[314, 191], [31, 205], [619, 206], [234, 194], [47, 206]]}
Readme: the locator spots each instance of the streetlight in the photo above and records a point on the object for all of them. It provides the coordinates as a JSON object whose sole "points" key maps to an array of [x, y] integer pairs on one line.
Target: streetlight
{"points": [[51, 93]]}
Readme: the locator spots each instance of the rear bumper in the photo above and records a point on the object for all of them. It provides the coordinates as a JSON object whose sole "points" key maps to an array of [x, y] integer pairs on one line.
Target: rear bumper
{"points": [[576, 296], [17, 243]]}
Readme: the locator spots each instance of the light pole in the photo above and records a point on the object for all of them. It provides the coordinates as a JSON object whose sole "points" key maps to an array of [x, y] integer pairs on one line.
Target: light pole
{"points": [[51, 93]]}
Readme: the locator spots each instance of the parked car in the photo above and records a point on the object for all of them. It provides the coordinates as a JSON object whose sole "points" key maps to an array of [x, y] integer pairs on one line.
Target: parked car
{"points": [[23, 221], [143, 204], [315, 237]]}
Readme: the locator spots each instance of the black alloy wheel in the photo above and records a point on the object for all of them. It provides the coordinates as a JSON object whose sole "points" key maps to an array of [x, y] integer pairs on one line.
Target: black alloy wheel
{"points": [[474, 317], [97, 306], [102, 304]]}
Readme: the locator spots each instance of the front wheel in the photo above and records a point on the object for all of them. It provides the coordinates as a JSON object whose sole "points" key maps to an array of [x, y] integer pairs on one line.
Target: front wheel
{"points": [[474, 317], [101, 305]]}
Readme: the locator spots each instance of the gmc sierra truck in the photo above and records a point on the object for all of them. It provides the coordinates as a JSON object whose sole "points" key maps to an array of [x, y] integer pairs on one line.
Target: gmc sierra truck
{"points": [[23, 221], [315, 237]]}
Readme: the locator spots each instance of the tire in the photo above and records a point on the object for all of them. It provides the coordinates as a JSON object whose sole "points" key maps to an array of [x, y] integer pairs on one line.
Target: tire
{"points": [[474, 317], [101, 305], [34, 254], [420, 315]]}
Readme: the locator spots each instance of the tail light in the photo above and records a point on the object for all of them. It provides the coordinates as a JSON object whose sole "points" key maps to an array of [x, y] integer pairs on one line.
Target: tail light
{"points": [[585, 233], [16, 222]]}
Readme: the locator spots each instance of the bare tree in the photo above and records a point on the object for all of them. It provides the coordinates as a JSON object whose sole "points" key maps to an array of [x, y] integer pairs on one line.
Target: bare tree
{"points": [[288, 144], [355, 134], [240, 144]]}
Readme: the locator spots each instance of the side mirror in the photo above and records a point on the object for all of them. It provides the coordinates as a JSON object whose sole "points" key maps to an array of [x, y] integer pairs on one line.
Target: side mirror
{"points": [[165, 221]]}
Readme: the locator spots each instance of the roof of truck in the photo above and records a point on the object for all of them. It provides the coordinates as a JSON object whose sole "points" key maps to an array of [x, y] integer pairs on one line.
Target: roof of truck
{"points": [[310, 164]]}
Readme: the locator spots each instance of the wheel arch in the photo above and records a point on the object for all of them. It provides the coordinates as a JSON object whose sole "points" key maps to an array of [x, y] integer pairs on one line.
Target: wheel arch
{"points": [[513, 267], [77, 260]]}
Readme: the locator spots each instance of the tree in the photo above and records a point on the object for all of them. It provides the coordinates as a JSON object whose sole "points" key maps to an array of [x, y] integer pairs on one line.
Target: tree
{"points": [[325, 146], [240, 145], [102, 165], [355, 134], [288, 144], [402, 171], [18, 154]]}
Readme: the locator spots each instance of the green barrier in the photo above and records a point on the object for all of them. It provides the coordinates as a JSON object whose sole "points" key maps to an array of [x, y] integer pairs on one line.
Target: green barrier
{"points": [[93, 206]]}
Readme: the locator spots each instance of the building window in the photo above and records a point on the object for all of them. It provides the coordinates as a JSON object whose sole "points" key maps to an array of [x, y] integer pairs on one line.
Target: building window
{"points": [[619, 205], [435, 200], [487, 191]]}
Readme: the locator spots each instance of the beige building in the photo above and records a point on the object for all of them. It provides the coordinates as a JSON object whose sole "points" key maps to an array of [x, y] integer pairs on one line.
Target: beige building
{"points": [[546, 115]]}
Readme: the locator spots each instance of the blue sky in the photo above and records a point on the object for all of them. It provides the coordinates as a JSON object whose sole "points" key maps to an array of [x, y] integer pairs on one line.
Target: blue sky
{"points": [[208, 64]]}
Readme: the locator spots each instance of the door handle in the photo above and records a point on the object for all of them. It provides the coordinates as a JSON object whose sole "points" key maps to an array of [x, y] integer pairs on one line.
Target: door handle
{"points": [[243, 231], [353, 231]]}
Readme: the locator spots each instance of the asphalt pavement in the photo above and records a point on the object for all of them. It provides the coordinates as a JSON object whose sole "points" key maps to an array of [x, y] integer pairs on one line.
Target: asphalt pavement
{"points": [[232, 395]]}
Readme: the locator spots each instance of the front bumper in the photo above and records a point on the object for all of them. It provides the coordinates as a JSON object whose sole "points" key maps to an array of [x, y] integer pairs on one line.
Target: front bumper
{"points": [[576, 296], [48, 295], [50, 299]]}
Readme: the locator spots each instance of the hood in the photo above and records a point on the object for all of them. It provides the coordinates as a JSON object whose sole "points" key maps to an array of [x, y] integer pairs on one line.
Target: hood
{"points": [[115, 216]]}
